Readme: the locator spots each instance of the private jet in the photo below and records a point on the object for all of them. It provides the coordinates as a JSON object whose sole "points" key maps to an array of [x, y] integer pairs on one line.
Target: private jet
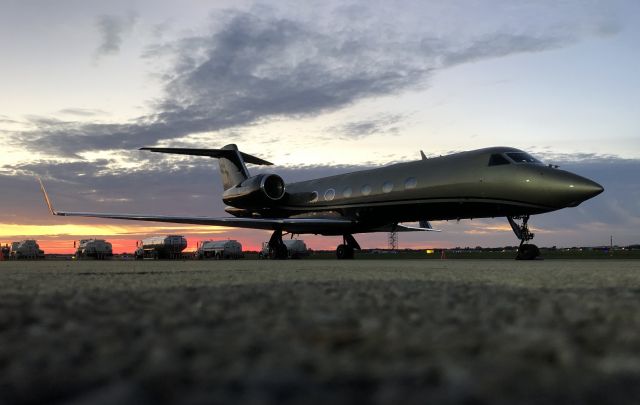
{"points": [[485, 183]]}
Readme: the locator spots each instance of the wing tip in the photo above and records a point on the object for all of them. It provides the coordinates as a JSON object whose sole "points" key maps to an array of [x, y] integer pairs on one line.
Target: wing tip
{"points": [[46, 198]]}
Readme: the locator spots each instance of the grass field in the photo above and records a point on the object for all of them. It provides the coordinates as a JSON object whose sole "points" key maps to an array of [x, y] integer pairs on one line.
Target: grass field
{"points": [[546, 254], [320, 331]]}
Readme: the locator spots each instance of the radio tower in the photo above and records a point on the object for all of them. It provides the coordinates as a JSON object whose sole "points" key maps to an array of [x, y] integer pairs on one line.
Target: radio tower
{"points": [[393, 240]]}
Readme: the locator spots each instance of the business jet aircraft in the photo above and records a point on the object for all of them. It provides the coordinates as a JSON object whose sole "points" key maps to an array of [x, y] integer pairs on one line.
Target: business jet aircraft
{"points": [[491, 182]]}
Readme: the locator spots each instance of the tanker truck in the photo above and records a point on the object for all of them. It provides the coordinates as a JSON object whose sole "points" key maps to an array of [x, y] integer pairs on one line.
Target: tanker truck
{"points": [[161, 247], [219, 249], [296, 249], [26, 249], [93, 248]]}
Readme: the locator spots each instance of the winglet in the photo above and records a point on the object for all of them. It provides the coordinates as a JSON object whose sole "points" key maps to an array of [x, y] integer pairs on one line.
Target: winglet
{"points": [[46, 198], [424, 157]]}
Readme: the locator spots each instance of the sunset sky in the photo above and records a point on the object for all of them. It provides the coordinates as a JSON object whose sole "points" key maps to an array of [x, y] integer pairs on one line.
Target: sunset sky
{"points": [[318, 88]]}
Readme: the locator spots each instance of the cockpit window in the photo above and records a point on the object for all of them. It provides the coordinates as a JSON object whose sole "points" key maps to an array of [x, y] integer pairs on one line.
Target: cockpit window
{"points": [[497, 159], [522, 157]]}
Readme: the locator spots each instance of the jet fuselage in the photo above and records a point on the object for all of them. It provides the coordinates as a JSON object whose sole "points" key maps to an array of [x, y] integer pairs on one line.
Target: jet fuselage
{"points": [[474, 184]]}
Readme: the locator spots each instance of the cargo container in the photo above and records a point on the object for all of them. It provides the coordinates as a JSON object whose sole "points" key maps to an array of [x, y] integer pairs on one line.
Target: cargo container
{"points": [[93, 248], [26, 249], [296, 249], [161, 247], [219, 249]]}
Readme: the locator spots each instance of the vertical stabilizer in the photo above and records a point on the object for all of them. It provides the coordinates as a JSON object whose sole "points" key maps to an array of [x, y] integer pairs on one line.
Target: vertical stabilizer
{"points": [[232, 168]]}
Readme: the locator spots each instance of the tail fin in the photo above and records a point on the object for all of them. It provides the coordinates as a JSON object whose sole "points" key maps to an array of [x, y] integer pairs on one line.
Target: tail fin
{"points": [[230, 161]]}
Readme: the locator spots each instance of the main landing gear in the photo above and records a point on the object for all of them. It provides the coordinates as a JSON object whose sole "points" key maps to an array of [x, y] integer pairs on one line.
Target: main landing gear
{"points": [[277, 248], [526, 251], [345, 250]]}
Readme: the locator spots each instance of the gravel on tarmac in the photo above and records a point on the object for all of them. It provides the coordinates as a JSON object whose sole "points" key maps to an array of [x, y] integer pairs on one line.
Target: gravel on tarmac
{"points": [[318, 332]]}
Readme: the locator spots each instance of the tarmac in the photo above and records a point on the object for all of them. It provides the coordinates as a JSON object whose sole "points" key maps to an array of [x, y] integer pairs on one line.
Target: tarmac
{"points": [[318, 332]]}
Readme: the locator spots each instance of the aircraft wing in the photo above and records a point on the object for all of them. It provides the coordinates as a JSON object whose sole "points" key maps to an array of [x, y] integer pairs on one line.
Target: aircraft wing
{"points": [[328, 226], [294, 225]]}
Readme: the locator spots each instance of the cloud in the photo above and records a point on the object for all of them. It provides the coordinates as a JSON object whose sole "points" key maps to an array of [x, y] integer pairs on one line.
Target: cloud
{"points": [[266, 64], [388, 124], [83, 112], [112, 29]]}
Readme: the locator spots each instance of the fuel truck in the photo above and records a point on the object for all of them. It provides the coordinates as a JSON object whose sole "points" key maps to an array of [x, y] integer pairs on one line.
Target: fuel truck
{"points": [[98, 249], [161, 247], [219, 249], [26, 249], [296, 249]]}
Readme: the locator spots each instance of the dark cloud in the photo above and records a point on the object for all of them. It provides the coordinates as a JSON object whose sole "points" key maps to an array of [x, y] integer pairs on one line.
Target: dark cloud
{"points": [[388, 124], [112, 29], [82, 112], [501, 44], [256, 66], [164, 186]]}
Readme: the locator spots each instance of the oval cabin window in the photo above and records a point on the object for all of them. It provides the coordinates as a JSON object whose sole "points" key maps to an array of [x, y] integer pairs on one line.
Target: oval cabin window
{"points": [[329, 194], [410, 183]]}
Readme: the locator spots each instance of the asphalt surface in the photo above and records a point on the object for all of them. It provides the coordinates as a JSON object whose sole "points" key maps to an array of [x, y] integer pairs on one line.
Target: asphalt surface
{"points": [[318, 332]]}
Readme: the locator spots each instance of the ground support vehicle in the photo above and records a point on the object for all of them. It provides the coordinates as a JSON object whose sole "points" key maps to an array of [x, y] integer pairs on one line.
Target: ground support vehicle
{"points": [[219, 249], [296, 249], [98, 249], [26, 249], [161, 247]]}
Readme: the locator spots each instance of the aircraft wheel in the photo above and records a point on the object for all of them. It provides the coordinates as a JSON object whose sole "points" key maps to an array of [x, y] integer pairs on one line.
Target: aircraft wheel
{"points": [[344, 252], [528, 252], [280, 252]]}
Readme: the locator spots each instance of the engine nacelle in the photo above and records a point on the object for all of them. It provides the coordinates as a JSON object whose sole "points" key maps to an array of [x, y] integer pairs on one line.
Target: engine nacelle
{"points": [[263, 190]]}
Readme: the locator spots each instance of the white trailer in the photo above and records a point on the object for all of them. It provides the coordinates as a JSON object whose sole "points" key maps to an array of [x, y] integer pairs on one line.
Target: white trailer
{"points": [[219, 249], [93, 248], [161, 247], [296, 249], [26, 249]]}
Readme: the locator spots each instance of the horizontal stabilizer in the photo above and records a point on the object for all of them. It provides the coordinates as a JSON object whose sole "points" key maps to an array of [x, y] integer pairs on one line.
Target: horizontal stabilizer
{"points": [[214, 153], [403, 228]]}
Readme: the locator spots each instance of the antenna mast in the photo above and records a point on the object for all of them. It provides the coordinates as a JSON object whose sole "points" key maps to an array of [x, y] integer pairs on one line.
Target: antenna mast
{"points": [[393, 240]]}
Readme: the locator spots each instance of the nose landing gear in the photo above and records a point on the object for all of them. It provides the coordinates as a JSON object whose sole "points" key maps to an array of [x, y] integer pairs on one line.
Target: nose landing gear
{"points": [[526, 251]]}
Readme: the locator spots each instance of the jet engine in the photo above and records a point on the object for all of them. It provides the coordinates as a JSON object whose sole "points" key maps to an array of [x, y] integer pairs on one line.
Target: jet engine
{"points": [[259, 191]]}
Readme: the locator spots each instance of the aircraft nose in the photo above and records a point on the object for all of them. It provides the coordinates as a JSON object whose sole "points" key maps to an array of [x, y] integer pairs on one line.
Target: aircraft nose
{"points": [[582, 189]]}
